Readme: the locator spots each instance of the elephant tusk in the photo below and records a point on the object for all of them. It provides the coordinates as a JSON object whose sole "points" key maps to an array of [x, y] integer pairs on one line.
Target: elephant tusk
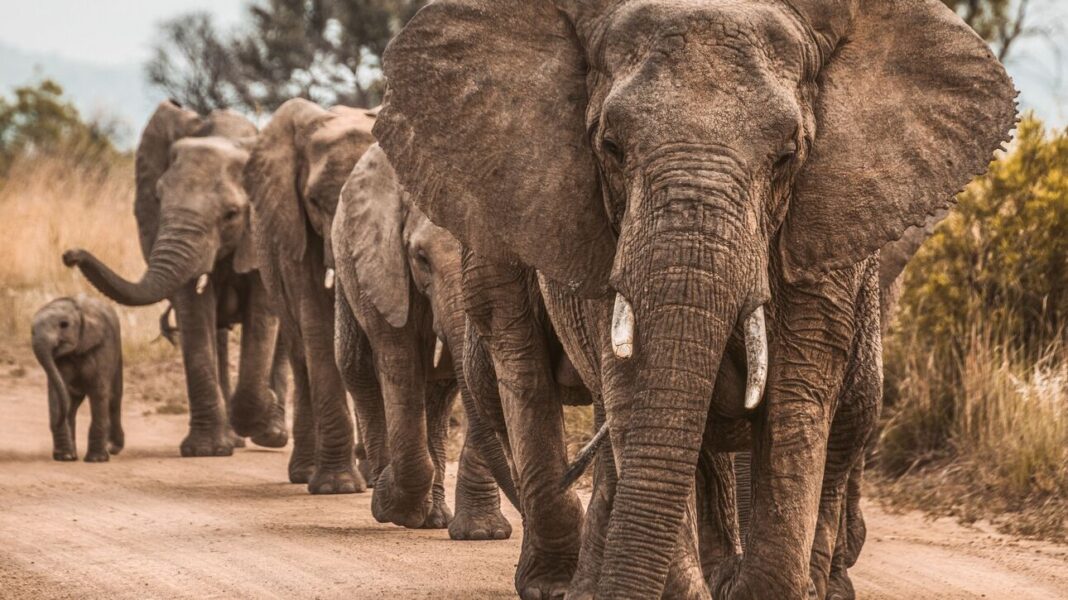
{"points": [[439, 351], [202, 284], [756, 354], [622, 328], [328, 283]]}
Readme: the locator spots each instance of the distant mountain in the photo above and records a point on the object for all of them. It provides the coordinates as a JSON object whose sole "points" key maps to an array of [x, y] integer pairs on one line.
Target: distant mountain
{"points": [[118, 91]]}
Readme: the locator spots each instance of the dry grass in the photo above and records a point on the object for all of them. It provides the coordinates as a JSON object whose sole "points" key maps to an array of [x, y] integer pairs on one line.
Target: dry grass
{"points": [[50, 204], [994, 445]]}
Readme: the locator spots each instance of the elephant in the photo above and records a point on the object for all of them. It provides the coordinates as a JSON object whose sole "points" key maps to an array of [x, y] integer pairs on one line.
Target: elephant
{"points": [[400, 340], [192, 218], [294, 177], [703, 189], [78, 342]]}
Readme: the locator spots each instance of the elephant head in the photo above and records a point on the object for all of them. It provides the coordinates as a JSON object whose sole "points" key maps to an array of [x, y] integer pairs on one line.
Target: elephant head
{"points": [[295, 174], [683, 154], [64, 327], [387, 246], [190, 206]]}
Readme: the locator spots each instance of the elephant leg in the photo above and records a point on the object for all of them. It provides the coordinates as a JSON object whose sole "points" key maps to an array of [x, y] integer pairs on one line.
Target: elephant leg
{"points": [[501, 301], [253, 411], [63, 432], [718, 526], [335, 470], [402, 494], [208, 425], [277, 433], [353, 354], [478, 498], [813, 341], [302, 461], [100, 423], [222, 351], [116, 436], [852, 427], [851, 537], [591, 558], [439, 400]]}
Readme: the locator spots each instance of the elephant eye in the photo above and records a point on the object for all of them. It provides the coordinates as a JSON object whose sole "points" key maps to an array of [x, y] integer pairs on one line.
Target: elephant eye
{"points": [[786, 155], [612, 149], [421, 258], [232, 213], [64, 324]]}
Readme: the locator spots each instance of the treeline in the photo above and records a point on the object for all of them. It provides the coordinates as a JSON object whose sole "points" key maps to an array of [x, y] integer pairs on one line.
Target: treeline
{"points": [[328, 51]]}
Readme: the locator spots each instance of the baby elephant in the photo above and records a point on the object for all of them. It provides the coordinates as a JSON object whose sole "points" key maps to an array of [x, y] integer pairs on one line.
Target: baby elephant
{"points": [[78, 342]]}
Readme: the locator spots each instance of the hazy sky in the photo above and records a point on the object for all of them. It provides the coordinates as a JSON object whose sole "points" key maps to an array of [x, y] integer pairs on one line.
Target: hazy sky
{"points": [[119, 32]]}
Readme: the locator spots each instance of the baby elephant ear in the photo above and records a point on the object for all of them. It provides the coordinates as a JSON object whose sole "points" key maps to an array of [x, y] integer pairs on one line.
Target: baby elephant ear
{"points": [[912, 104], [484, 123]]}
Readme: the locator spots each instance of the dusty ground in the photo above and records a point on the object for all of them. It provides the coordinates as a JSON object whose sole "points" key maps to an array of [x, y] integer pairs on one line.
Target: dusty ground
{"points": [[152, 525]]}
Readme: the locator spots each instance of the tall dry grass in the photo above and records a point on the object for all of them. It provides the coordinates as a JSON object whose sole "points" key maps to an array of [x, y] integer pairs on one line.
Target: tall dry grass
{"points": [[49, 204]]}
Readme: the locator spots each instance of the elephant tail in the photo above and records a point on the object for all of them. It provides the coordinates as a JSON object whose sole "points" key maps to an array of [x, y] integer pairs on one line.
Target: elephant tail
{"points": [[584, 457]]}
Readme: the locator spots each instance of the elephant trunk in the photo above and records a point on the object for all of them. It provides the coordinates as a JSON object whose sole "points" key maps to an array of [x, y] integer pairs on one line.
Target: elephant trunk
{"points": [[687, 290], [59, 403], [181, 252]]}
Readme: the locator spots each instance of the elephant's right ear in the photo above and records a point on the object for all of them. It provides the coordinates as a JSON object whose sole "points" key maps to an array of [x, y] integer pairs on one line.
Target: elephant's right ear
{"points": [[273, 179], [368, 234], [168, 124], [484, 121]]}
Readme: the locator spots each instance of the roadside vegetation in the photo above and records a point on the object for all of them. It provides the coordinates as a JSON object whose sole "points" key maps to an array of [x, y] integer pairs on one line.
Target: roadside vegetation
{"points": [[976, 423], [63, 184]]}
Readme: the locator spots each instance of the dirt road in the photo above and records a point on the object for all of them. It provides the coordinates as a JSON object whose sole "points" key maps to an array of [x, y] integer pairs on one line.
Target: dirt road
{"points": [[152, 525]]}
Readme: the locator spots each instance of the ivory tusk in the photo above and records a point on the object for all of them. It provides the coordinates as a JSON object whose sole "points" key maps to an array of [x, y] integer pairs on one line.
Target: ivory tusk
{"points": [[439, 351], [756, 354], [202, 283], [622, 328], [328, 283]]}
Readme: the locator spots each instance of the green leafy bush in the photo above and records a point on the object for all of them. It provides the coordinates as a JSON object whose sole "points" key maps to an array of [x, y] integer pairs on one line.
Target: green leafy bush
{"points": [[976, 364]]}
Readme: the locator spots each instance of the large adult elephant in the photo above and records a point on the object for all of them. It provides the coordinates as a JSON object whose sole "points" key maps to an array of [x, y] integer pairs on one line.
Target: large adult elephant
{"points": [[192, 216], [400, 323], [720, 178], [294, 178]]}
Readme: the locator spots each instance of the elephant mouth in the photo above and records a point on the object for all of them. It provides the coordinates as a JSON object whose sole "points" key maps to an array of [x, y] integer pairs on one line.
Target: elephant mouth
{"points": [[756, 346]]}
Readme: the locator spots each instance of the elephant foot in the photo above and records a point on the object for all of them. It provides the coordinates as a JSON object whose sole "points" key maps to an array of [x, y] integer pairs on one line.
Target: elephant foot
{"points": [[840, 587], [544, 575], [469, 524], [439, 517], [345, 481], [114, 448], [251, 414], [388, 505], [97, 456], [582, 589], [64, 455], [301, 468], [275, 436], [200, 443], [730, 581], [235, 440]]}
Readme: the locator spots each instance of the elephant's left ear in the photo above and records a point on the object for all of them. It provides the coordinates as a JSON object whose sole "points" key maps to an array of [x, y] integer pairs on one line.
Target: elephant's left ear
{"points": [[911, 105]]}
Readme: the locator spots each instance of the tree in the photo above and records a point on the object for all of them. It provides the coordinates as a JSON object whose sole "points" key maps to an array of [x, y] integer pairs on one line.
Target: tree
{"points": [[193, 64], [328, 51], [1000, 22], [41, 121]]}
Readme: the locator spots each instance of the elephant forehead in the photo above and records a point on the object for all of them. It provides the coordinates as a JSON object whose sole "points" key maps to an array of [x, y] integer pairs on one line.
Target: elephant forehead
{"points": [[56, 309]]}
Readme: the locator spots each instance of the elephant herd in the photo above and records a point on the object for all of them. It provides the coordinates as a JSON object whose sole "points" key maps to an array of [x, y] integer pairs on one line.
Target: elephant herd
{"points": [[689, 214]]}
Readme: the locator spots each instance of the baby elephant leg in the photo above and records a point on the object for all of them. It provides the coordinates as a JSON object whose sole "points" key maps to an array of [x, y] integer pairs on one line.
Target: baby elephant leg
{"points": [[116, 436], [100, 425]]}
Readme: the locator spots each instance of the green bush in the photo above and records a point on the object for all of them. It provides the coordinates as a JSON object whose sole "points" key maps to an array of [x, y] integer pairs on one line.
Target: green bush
{"points": [[976, 362]]}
